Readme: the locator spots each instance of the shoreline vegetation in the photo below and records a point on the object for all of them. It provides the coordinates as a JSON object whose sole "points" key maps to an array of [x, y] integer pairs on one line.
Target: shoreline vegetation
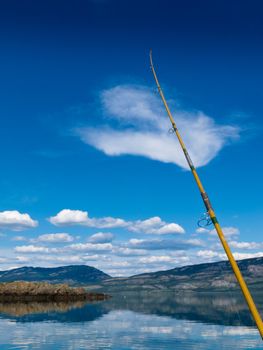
{"points": [[21, 291]]}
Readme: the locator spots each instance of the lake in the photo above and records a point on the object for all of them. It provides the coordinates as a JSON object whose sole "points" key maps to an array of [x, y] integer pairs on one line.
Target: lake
{"points": [[157, 320]]}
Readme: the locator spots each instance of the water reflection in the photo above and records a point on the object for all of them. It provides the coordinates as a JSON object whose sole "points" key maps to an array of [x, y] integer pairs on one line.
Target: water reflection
{"points": [[216, 308], [131, 321], [56, 312], [22, 309]]}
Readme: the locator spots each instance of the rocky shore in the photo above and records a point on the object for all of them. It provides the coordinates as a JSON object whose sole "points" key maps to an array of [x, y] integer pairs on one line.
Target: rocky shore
{"points": [[21, 291]]}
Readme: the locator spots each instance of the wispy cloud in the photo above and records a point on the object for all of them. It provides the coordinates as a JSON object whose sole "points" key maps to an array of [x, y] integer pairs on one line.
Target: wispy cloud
{"points": [[54, 238], [143, 129], [163, 244], [101, 247], [157, 259], [31, 249]]}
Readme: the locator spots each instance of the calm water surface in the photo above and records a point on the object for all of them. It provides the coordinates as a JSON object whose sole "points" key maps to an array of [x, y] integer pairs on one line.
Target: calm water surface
{"points": [[132, 321]]}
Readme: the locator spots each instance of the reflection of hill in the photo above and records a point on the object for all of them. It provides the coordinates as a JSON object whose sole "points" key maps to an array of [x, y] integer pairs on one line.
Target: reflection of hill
{"points": [[215, 308]]}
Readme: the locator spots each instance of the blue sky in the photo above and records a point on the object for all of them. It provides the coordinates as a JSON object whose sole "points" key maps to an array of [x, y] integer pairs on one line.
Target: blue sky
{"points": [[84, 138]]}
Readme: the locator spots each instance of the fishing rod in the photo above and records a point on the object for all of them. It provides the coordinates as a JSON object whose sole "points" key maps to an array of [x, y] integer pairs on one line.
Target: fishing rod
{"points": [[211, 213]]}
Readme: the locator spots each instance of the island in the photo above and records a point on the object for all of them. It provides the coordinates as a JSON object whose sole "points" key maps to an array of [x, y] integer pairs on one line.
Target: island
{"points": [[21, 291]]}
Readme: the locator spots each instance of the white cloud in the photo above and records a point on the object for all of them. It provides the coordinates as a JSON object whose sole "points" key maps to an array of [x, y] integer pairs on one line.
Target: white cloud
{"points": [[212, 255], [55, 259], [155, 225], [195, 242], [156, 259], [228, 231], [246, 245], [209, 254], [23, 259], [101, 237], [135, 241], [202, 230], [146, 225], [91, 247], [124, 251], [54, 238], [144, 129], [31, 249], [130, 103], [68, 217], [16, 221], [169, 228], [70, 259], [240, 256], [119, 264]]}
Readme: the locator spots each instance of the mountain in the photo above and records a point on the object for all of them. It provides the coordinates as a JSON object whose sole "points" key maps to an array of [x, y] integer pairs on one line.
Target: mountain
{"points": [[216, 276], [73, 274]]}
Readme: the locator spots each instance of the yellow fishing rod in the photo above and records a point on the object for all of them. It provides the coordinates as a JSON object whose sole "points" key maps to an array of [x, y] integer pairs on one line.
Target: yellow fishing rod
{"points": [[211, 213]]}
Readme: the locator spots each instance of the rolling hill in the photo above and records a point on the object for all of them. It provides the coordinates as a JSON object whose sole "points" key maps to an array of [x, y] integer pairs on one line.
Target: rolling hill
{"points": [[72, 275], [216, 276]]}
